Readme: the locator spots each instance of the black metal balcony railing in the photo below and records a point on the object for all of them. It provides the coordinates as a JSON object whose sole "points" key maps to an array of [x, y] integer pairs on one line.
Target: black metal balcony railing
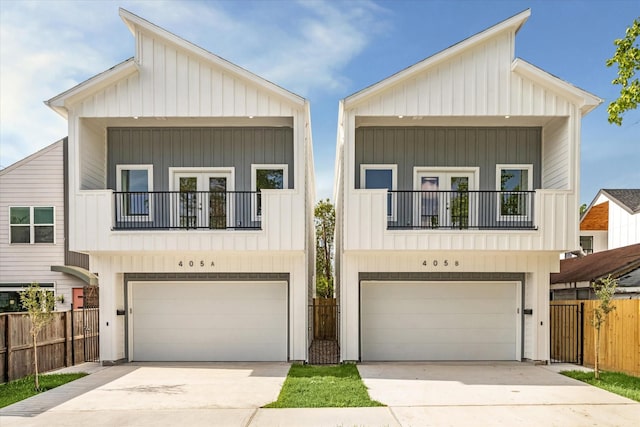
{"points": [[460, 210], [205, 210]]}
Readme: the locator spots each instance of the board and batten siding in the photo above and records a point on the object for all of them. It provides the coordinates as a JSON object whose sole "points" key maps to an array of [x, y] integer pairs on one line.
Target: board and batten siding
{"points": [[555, 155], [201, 148], [408, 147], [172, 82], [36, 181], [91, 163], [471, 83]]}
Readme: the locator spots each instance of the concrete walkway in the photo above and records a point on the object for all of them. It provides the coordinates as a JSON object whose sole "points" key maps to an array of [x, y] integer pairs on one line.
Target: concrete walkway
{"points": [[418, 394]]}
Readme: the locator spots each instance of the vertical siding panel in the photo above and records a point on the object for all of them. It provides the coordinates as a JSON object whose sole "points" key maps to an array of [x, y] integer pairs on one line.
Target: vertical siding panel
{"points": [[458, 86], [217, 93], [228, 103], [205, 91], [240, 99], [158, 80], [194, 88], [170, 84], [481, 80], [147, 46], [182, 88], [251, 101]]}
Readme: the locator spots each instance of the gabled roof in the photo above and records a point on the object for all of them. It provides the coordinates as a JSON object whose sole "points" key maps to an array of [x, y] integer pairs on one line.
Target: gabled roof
{"points": [[627, 198], [129, 66], [584, 99], [513, 23], [31, 157], [590, 268]]}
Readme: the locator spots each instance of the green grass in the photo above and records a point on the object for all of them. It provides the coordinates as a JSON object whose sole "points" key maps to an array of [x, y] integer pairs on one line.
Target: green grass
{"points": [[615, 382], [23, 388], [323, 387]]}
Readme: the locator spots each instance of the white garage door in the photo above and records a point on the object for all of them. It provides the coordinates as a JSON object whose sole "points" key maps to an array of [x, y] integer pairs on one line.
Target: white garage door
{"points": [[440, 321], [208, 321]]}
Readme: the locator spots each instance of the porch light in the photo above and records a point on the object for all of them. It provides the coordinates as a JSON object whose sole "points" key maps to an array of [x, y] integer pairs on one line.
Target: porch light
{"points": [[507, 116], [400, 117]]}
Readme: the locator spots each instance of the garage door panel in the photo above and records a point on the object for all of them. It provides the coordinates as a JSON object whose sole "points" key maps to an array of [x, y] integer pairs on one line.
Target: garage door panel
{"points": [[438, 321], [444, 290], [442, 352], [209, 321], [435, 321]]}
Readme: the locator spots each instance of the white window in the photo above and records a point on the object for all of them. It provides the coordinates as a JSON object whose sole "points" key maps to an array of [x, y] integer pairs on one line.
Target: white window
{"points": [[134, 183], [514, 182], [267, 177], [383, 177], [32, 224]]}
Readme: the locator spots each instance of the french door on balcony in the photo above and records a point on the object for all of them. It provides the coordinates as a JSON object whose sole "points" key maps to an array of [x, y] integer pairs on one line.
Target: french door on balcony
{"points": [[444, 200], [203, 200]]}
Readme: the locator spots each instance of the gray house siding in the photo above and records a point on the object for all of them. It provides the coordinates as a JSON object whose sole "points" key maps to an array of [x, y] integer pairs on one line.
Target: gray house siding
{"points": [[199, 147], [483, 147]]}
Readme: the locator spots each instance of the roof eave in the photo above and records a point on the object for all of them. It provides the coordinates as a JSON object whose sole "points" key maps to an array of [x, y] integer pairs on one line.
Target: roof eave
{"points": [[514, 23], [60, 103], [586, 101], [132, 21]]}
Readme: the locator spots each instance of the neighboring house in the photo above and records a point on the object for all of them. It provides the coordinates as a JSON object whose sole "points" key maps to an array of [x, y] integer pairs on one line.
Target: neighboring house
{"points": [[456, 190], [191, 189], [33, 233], [577, 275], [611, 221]]}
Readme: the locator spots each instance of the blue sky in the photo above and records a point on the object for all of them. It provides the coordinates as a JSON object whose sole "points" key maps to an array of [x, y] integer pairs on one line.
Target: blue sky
{"points": [[323, 51]]}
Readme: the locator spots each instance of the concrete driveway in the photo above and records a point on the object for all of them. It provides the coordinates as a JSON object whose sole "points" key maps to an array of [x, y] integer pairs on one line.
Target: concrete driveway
{"points": [[231, 394], [155, 394], [496, 394]]}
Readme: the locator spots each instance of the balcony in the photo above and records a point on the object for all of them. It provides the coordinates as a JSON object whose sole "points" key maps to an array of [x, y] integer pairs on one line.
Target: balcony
{"points": [[190, 210], [460, 210], [376, 219]]}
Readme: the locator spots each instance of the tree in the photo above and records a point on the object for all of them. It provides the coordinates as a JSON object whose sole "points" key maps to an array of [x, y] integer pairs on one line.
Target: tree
{"points": [[627, 56], [325, 222], [604, 289], [39, 304], [583, 208]]}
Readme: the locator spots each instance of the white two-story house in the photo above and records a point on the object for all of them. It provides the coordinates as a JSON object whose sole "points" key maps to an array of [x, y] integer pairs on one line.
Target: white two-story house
{"points": [[191, 190], [456, 190]]}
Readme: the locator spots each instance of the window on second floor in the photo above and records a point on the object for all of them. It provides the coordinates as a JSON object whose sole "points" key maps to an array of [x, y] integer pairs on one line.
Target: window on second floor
{"points": [[380, 177], [514, 182], [268, 177], [135, 182], [32, 224], [586, 243]]}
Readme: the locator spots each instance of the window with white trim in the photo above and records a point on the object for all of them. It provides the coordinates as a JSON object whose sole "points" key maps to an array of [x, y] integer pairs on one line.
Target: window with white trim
{"points": [[134, 183], [514, 182], [381, 177], [32, 224], [267, 177]]}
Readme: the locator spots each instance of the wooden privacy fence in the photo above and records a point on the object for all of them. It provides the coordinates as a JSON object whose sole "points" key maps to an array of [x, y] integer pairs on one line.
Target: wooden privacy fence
{"points": [[619, 339], [70, 338], [325, 319]]}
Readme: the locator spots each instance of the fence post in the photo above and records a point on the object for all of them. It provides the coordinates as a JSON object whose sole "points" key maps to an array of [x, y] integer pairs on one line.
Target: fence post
{"points": [[73, 338], [581, 325], [9, 349], [66, 339]]}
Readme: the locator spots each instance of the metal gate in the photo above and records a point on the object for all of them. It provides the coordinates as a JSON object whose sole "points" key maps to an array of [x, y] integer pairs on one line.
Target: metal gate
{"points": [[324, 347], [567, 333], [91, 324]]}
